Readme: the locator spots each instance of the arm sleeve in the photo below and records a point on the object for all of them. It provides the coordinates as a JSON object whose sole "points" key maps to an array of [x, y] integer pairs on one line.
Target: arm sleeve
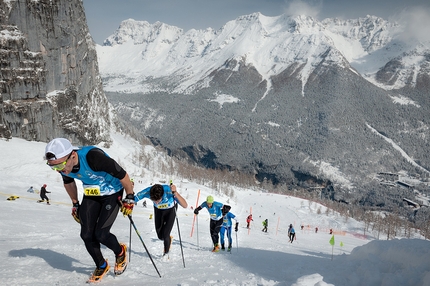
{"points": [[142, 194], [67, 180]]}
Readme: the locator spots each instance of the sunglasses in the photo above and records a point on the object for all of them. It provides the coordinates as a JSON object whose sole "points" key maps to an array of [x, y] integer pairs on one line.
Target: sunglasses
{"points": [[59, 166]]}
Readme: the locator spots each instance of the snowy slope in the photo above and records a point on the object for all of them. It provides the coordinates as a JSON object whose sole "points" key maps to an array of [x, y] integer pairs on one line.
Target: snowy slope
{"points": [[40, 244]]}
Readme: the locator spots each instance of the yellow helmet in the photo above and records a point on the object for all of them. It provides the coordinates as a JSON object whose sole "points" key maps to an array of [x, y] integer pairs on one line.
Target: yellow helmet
{"points": [[209, 199]]}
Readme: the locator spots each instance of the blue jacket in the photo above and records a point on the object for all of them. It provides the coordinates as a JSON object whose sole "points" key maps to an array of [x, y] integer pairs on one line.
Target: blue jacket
{"points": [[215, 211], [167, 201], [227, 220], [95, 183]]}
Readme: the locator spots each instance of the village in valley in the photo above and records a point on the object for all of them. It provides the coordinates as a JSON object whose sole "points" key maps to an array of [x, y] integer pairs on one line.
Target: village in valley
{"points": [[419, 185]]}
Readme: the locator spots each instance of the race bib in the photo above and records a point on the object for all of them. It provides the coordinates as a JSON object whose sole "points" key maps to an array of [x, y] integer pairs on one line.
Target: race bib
{"points": [[92, 190], [163, 206]]}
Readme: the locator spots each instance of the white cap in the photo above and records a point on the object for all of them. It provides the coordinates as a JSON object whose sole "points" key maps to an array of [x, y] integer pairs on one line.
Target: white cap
{"points": [[59, 147]]}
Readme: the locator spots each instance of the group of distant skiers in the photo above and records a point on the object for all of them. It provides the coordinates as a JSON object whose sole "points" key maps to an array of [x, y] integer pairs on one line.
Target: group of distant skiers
{"points": [[291, 231], [42, 194]]}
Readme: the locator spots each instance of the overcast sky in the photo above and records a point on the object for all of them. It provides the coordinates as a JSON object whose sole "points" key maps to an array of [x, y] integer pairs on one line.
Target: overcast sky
{"points": [[104, 16]]}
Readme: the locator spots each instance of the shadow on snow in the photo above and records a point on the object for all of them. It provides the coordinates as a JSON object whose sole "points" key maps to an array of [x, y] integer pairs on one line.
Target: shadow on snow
{"points": [[54, 259]]}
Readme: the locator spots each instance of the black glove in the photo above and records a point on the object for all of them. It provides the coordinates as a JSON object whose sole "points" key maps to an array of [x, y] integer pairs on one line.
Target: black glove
{"points": [[75, 212], [225, 209], [236, 227], [196, 211]]}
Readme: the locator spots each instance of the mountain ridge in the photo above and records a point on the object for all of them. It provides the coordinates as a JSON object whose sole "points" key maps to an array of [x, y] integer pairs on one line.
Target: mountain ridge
{"points": [[362, 36], [281, 97]]}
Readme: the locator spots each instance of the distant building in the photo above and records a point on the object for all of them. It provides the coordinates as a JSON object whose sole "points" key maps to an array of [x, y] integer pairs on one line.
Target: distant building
{"points": [[411, 203], [403, 184], [388, 176]]}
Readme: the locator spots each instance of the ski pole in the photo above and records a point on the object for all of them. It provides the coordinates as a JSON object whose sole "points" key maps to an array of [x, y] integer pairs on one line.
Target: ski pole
{"points": [[197, 224], [129, 246], [138, 234], [179, 233], [237, 244]]}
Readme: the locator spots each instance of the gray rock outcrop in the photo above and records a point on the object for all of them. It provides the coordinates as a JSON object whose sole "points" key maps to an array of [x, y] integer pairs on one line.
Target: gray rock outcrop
{"points": [[49, 78]]}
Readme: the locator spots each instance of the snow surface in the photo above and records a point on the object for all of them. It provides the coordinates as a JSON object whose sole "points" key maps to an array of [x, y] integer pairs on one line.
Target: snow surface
{"points": [[40, 244]]}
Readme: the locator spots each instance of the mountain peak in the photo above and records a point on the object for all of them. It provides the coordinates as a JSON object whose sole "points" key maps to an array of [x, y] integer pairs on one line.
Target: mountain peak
{"points": [[139, 32]]}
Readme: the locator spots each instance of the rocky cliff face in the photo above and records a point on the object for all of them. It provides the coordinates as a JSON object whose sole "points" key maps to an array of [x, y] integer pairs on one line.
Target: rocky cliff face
{"points": [[49, 79]]}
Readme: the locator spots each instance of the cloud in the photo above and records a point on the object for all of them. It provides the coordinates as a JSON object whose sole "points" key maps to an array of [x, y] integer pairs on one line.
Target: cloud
{"points": [[308, 8], [416, 21]]}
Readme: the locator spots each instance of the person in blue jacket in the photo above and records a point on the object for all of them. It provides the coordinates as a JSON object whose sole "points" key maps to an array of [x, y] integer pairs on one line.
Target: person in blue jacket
{"points": [[216, 218], [291, 233], [226, 227], [165, 199], [104, 182]]}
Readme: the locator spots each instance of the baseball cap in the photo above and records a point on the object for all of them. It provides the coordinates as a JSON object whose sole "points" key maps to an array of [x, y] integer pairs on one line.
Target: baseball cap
{"points": [[59, 147], [210, 199]]}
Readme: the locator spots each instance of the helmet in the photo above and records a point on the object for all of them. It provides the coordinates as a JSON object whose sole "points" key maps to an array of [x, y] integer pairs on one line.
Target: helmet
{"points": [[209, 199], [44, 185]]}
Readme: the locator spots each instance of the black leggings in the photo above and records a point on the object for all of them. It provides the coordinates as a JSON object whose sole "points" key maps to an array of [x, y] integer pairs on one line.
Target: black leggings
{"points": [[97, 214], [292, 235], [214, 228], [44, 197], [164, 220]]}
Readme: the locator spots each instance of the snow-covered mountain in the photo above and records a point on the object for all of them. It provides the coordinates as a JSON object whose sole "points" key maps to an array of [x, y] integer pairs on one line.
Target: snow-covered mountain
{"points": [[289, 99], [139, 52]]}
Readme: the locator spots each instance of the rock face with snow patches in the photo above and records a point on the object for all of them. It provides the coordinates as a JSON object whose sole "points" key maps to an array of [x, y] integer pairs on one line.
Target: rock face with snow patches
{"points": [[49, 79]]}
